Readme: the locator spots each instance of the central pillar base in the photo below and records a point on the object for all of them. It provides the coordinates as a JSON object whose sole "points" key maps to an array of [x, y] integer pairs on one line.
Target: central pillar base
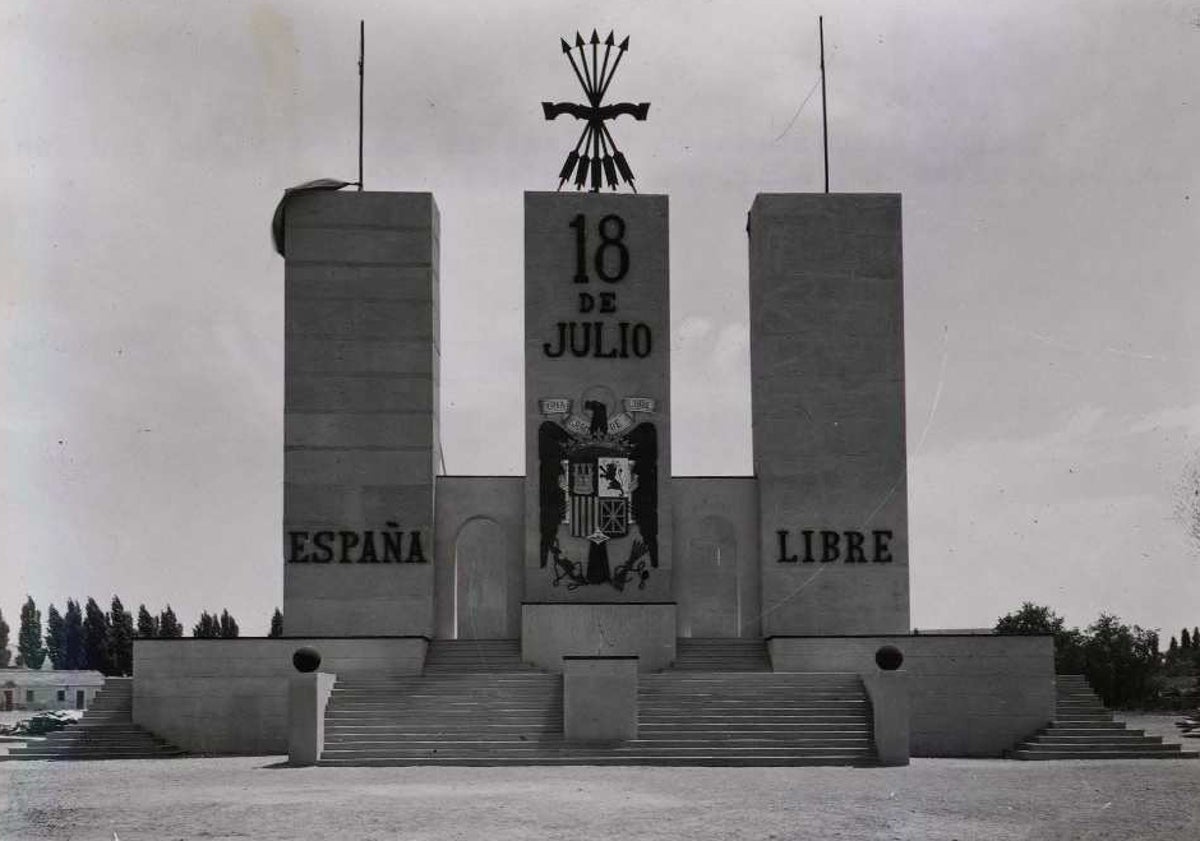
{"points": [[552, 630]]}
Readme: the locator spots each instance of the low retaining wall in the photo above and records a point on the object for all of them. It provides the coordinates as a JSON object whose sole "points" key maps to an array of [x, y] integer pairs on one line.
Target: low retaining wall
{"points": [[971, 694], [230, 696]]}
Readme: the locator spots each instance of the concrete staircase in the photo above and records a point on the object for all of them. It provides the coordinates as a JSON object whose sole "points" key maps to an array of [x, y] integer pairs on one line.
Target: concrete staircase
{"points": [[693, 654], [478, 704], [759, 719], [1084, 729], [106, 731]]}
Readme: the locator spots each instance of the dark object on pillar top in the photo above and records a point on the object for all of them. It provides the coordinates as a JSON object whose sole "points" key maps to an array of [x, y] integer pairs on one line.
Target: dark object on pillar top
{"points": [[306, 659], [889, 658], [595, 158], [277, 223]]}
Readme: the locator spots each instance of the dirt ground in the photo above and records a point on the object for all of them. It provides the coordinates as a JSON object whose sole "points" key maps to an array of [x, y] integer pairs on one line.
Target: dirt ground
{"points": [[929, 800]]}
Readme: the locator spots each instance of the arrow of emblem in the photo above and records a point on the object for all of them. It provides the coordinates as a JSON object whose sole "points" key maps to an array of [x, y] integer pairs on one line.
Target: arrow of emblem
{"points": [[595, 156]]}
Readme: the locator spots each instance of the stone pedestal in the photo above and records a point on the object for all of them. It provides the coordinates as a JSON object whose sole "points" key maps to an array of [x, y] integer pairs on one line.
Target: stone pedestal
{"points": [[889, 694], [600, 699], [307, 696], [597, 398], [360, 413], [827, 384]]}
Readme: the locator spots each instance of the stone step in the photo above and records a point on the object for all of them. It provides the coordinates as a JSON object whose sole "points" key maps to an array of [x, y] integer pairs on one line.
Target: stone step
{"points": [[490, 680], [451, 696], [627, 750], [722, 703], [648, 759], [1151, 744], [1116, 729], [447, 721], [97, 736], [745, 715], [1040, 754], [414, 741], [812, 726], [1114, 736]]}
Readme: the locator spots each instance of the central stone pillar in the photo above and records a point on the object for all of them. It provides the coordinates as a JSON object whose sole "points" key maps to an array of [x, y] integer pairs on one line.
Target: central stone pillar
{"points": [[597, 408]]}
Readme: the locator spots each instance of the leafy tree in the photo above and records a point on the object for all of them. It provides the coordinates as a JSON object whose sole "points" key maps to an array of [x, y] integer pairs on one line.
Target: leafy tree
{"points": [[5, 654], [209, 627], [96, 637], [120, 638], [147, 625], [168, 626], [30, 651], [1030, 619], [1120, 662], [74, 650], [276, 624], [56, 638], [1040, 619], [229, 626]]}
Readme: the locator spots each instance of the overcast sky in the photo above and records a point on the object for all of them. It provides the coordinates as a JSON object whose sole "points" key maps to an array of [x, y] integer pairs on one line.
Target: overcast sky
{"points": [[1046, 153]]}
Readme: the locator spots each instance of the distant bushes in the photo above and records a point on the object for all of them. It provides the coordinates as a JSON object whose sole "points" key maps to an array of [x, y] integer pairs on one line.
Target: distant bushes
{"points": [[1121, 662]]}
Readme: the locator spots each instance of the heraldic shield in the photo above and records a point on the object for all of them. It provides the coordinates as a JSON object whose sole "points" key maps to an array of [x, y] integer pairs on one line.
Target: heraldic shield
{"points": [[598, 482]]}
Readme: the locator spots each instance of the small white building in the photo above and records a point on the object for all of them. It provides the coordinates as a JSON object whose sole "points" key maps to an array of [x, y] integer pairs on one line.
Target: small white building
{"points": [[48, 689]]}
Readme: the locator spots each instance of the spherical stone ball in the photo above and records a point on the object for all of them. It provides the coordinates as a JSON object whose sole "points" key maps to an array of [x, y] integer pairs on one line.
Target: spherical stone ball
{"points": [[306, 659], [889, 658]]}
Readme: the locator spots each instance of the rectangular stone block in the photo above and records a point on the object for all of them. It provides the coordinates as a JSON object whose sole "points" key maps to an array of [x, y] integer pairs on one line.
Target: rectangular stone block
{"points": [[597, 398], [374, 246], [331, 506], [356, 356], [386, 211], [342, 430], [550, 631], [307, 696], [600, 699], [357, 467], [310, 393], [827, 369], [342, 318], [372, 283]]}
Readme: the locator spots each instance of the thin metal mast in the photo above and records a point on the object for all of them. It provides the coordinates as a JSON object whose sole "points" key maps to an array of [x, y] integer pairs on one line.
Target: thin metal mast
{"points": [[824, 117], [363, 40]]}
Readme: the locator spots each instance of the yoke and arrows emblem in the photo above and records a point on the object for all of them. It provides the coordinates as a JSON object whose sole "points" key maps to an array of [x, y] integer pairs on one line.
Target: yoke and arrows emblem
{"points": [[605, 160]]}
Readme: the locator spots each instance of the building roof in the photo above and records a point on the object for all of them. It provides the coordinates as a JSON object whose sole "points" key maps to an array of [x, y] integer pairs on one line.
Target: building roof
{"points": [[33, 678]]}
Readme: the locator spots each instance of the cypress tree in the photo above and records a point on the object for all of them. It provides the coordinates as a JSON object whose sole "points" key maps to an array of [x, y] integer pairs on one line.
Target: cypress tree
{"points": [[1185, 640], [147, 625], [207, 628], [228, 626], [56, 638], [96, 636], [5, 654], [30, 652], [276, 624], [120, 638], [74, 653], [168, 626]]}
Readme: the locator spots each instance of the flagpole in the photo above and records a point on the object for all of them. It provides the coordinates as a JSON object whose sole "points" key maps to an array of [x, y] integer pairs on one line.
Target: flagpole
{"points": [[824, 117], [362, 43]]}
